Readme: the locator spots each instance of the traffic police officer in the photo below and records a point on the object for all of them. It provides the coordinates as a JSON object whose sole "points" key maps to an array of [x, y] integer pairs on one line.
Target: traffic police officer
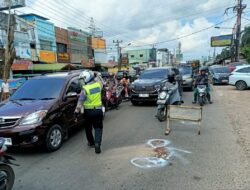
{"points": [[90, 103]]}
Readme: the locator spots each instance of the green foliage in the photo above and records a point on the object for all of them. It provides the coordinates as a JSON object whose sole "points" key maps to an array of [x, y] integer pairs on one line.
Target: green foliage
{"points": [[245, 43], [225, 53]]}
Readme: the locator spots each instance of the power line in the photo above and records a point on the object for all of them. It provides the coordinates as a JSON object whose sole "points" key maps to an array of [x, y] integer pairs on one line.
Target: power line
{"points": [[180, 37]]}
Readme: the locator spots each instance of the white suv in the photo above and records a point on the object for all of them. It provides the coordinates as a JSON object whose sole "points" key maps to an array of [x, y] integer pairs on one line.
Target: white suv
{"points": [[240, 77]]}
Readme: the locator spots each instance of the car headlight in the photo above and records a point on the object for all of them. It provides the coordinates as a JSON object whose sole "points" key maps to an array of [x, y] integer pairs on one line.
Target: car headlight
{"points": [[162, 95], [34, 118], [189, 80]]}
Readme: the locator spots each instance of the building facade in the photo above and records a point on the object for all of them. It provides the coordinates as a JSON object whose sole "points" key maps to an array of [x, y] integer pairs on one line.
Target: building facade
{"points": [[142, 56], [45, 38], [80, 47], [63, 45]]}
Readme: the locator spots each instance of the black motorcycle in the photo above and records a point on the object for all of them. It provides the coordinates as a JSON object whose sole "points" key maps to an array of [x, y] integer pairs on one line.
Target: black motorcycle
{"points": [[7, 175], [167, 95]]}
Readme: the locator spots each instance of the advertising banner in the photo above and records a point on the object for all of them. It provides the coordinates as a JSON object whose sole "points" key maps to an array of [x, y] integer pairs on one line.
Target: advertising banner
{"points": [[48, 56], [63, 57], [22, 65], [221, 41], [98, 43], [88, 63]]}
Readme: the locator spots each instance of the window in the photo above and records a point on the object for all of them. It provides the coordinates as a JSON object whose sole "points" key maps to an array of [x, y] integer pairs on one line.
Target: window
{"points": [[244, 70], [141, 55], [40, 88], [132, 56], [46, 45], [61, 48], [74, 86]]}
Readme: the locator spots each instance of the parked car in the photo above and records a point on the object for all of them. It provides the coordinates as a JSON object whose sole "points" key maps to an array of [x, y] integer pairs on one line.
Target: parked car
{"points": [[232, 66], [105, 74], [121, 73], [41, 111], [187, 76], [220, 74], [240, 77], [151, 81]]}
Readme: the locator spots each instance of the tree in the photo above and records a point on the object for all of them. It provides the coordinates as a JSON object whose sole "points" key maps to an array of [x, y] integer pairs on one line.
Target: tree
{"points": [[245, 43], [225, 53]]}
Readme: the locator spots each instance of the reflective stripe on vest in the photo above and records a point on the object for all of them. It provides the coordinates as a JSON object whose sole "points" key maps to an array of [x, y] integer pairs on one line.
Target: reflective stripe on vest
{"points": [[93, 95]]}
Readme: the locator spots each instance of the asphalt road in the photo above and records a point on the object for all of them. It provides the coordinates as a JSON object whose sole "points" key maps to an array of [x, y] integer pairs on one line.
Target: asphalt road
{"points": [[216, 160]]}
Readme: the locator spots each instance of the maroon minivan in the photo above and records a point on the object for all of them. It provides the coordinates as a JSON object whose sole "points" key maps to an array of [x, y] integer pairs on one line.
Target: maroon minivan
{"points": [[41, 111]]}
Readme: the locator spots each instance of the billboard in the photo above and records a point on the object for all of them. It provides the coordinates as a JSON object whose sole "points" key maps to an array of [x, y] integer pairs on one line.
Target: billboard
{"points": [[221, 41], [48, 56], [98, 43], [63, 57], [4, 4]]}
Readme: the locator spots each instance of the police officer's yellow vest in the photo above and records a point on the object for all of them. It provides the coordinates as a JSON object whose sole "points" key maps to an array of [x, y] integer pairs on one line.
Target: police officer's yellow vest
{"points": [[93, 95]]}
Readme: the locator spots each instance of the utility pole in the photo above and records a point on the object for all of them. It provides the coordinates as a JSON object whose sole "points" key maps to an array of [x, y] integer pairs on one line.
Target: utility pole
{"points": [[117, 42], [7, 49], [239, 8]]}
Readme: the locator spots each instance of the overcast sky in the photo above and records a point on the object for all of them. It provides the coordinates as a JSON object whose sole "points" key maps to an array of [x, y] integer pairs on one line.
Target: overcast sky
{"points": [[142, 22]]}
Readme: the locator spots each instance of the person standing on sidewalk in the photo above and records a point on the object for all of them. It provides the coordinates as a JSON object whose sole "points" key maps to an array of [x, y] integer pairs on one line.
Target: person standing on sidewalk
{"points": [[5, 90], [90, 104]]}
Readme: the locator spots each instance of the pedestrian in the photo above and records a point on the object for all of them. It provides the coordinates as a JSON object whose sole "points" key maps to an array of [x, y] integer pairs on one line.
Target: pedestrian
{"points": [[90, 104], [5, 90]]}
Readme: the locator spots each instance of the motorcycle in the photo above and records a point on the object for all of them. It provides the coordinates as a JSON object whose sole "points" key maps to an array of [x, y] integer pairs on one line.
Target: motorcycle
{"points": [[113, 97], [202, 94], [167, 95], [7, 175]]}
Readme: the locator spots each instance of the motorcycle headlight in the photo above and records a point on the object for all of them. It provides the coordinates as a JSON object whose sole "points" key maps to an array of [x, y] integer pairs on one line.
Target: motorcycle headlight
{"points": [[162, 95], [34, 118]]}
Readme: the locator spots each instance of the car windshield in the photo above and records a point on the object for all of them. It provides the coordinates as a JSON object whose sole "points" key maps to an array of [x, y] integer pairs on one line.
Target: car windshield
{"points": [[222, 70], [39, 89], [154, 74], [185, 70]]}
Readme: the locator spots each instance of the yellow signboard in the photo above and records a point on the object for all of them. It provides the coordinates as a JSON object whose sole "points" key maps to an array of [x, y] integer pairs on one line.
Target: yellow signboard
{"points": [[48, 56]]}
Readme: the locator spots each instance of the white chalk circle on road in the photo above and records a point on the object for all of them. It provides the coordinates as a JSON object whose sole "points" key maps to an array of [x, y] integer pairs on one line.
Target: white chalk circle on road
{"points": [[149, 162], [157, 143]]}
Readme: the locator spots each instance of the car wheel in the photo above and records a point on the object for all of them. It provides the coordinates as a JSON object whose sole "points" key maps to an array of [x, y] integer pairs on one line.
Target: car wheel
{"points": [[54, 138], [135, 103], [241, 85]]}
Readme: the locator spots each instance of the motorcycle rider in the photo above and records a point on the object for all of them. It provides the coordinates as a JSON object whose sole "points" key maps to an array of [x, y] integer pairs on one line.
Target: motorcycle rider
{"points": [[202, 79], [90, 104], [112, 82], [125, 82]]}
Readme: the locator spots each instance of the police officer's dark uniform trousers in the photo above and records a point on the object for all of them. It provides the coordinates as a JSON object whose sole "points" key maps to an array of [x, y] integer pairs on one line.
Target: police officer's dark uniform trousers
{"points": [[93, 114]]}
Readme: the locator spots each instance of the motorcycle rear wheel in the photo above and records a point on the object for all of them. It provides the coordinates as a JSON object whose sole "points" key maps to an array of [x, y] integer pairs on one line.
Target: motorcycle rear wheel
{"points": [[162, 114], [201, 102], [10, 176]]}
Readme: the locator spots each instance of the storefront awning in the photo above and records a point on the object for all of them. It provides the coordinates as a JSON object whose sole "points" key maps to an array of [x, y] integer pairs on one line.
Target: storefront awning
{"points": [[53, 67]]}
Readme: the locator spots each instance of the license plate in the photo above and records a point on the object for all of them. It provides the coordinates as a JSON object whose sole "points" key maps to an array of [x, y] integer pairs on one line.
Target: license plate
{"points": [[225, 81], [8, 141], [161, 101], [143, 95]]}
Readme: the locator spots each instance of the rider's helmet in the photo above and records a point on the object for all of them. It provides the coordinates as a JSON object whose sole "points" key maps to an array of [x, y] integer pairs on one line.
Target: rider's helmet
{"points": [[204, 68], [87, 76], [111, 75]]}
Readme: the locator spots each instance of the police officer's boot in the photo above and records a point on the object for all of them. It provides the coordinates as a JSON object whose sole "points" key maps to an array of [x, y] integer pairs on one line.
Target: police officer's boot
{"points": [[97, 148]]}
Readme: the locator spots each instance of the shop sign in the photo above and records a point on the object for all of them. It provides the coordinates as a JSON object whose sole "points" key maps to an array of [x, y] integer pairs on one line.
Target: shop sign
{"points": [[63, 57], [47, 56]]}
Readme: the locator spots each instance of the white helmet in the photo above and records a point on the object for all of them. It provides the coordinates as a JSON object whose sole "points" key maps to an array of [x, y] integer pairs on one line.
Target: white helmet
{"points": [[87, 76]]}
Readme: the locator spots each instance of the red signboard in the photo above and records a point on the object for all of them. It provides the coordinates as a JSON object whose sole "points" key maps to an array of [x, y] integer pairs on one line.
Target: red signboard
{"points": [[22, 65]]}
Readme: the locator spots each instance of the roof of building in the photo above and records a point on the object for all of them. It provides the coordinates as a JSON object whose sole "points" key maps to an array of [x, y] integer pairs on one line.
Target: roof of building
{"points": [[33, 15]]}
